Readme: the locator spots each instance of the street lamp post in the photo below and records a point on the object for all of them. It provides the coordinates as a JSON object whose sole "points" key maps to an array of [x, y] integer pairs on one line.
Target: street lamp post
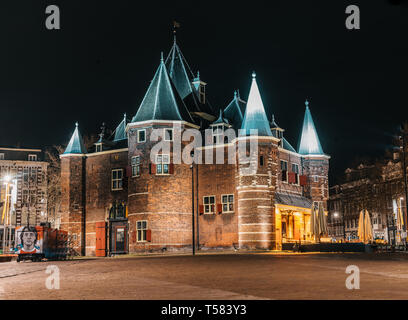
{"points": [[192, 208]]}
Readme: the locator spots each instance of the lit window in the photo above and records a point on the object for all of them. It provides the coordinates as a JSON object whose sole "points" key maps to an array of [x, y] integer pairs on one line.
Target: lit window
{"points": [[218, 134], [135, 166], [284, 169], [227, 203], [209, 203], [141, 227], [168, 134], [162, 163], [32, 157], [141, 135], [117, 179]]}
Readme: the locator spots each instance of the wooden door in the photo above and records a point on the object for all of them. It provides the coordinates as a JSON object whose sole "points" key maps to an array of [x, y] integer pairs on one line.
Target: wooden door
{"points": [[100, 249]]}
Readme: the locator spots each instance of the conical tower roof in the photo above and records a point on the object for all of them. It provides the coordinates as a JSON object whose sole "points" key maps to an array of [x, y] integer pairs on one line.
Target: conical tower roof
{"points": [[120, 131], [176, 67], [309, 140], [255, 116], [75, 145], [162, 101]]}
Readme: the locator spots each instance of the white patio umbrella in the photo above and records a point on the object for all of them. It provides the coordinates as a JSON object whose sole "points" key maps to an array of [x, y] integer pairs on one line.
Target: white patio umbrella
{"points": [[314, 222], [322, 220], [365, 229]]}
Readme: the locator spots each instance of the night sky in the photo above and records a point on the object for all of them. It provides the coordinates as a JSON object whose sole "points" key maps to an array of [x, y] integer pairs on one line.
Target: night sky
{"points": [[100, 63]]}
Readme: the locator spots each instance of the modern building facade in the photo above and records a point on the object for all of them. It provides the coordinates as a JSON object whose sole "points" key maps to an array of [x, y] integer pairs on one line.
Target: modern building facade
{"points": [[23, 172], [23, 191], [123, 196]]}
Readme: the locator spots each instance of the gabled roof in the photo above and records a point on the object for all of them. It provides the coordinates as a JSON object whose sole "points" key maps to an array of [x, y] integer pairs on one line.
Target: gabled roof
{"points": [[120, 131], [286, 145], [162, 101], [309, 141], [175, 64], [75, 145], [235, 111], [255, 116]]}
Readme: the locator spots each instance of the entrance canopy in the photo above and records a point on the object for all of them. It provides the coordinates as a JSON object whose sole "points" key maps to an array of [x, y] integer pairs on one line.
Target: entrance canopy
{"points": [[293, 201]]}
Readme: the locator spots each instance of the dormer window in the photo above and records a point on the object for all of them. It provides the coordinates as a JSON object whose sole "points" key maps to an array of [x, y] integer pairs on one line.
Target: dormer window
{"points": [[201, 91], [200, 87], [98, 147], [218, 134], [32, 157]]}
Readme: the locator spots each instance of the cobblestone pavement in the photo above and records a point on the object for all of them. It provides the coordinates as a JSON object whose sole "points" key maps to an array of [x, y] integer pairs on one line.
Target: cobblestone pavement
{"points": [[211, 276]]}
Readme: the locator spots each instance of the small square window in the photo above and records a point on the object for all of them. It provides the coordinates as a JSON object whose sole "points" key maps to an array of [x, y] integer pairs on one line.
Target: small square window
{"points": [[168, 134], [141, 135], [162, 164], [141, 227], [117, 179], [209, 204], [227, 203], [135, 164], [32, 157]]}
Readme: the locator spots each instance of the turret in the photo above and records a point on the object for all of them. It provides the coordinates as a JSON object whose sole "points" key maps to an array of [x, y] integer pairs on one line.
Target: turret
{"points": [[73, 190], [315, 162], [256, 187]]}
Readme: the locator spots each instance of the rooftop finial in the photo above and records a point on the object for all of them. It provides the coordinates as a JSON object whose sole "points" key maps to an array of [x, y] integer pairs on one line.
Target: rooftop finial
{"points": [[76, 124], [235, 93], [175, 26], [253, 75], [198, 74], [307, 103], [124, 116], [161, 58]]}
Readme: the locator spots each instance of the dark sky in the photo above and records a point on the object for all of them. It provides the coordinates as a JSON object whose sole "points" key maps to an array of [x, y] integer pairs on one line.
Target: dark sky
{"points": [[99, 65]]}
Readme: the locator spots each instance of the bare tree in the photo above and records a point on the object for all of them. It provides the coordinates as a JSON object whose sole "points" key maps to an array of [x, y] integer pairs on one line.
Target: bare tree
{"points": [[54, 184]]}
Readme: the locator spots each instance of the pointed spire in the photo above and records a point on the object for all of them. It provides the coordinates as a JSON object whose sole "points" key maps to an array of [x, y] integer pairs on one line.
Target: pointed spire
{"points": [[309, 141], [162, 102], [255, 116], [176, 66], [75, 145], [120, 131]]}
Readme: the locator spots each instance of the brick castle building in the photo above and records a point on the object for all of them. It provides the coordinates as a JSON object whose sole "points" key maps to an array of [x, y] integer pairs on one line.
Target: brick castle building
{"points": [[117, 198]]}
